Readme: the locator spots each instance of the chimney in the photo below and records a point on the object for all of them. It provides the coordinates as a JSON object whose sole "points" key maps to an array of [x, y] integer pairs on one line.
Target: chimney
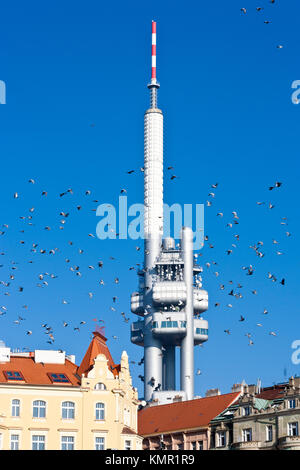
{"points": [[212, 392]]}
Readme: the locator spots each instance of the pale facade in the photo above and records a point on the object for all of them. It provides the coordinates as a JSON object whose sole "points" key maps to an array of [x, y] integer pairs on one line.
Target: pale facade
{"points": [[94, 410], [261, 421]]}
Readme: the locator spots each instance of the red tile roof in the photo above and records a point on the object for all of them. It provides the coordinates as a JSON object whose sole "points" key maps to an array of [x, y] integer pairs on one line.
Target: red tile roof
{"points": [[97, 346], [37, 373], [270, 393], [182, 415]]}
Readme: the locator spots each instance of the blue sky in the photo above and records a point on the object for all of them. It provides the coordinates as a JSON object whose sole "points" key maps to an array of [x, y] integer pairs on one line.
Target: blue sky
{"points": [[76, 78]]}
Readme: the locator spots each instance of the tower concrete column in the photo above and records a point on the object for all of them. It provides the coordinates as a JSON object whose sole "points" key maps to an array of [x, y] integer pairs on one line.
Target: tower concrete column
{"points": [[187, 345]]}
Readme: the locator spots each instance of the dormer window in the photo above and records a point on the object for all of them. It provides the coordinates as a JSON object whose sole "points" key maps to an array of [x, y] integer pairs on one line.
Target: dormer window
{"points": [[13, 375], [292, 403], [58, 378], [100, 386], [246, 410]]}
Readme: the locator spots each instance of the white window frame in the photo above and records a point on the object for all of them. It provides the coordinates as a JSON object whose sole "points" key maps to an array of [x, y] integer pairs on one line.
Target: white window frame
{"points": [[99, 411], [247, 432], [38, 441], [67, 436], [269, 432], [98, 444], [291, 426], [68, 407], [221, 435], [39, 407], [13, 441], [15, 407]]}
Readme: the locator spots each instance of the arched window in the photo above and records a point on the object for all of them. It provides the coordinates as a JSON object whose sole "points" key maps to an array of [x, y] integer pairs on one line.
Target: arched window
{"points": [[39, 409], [15, 408], [100, 411], [100, 386], [68, 410]]}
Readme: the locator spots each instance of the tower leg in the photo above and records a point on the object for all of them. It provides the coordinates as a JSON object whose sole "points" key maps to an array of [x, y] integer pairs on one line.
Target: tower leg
{"points": [[152, 346], [152, 361], [187, 345]]}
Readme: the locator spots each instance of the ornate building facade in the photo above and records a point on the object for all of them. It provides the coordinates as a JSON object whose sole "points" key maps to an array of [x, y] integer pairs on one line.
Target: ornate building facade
{"points": [[48, 402], [260, 420]]}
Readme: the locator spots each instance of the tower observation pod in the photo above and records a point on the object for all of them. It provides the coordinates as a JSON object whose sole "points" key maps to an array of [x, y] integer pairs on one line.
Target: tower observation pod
{"points": [[170, 298]]}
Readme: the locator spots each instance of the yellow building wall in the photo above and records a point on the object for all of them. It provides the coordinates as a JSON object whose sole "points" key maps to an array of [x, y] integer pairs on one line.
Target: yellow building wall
{"points": [[118, 396]]}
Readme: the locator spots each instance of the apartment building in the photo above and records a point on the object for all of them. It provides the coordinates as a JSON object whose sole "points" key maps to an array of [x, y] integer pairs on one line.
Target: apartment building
{"points": [[267, 419], [48, 402]]}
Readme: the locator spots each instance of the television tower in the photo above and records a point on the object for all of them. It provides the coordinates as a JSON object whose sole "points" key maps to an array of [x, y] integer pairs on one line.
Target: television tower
{"points": [[170, 299]]}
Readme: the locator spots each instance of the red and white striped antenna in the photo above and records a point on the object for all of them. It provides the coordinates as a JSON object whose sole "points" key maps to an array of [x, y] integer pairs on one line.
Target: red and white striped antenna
{"points": [[153, 61], [153, 85]]}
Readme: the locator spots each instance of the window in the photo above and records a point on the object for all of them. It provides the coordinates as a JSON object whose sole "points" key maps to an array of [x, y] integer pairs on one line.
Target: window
{"points": [[58, 378], [15, 408], [246, 411], [100, 386], [180, 447], [127, 445], [182, 324], [292, 403], [200, 445], [13, 375], [221, 439], [100, 411], [194, 445], [39, 409], [67, 443], [99, 443], [247, 435], [293, 429], [38, 442], [269, 432], [68, 410], [14, 442], [201, 331], [154, 324]]}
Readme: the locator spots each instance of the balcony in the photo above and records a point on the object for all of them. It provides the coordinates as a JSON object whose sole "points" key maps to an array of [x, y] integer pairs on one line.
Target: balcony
{"points": [[289, 443], [248, 445]]}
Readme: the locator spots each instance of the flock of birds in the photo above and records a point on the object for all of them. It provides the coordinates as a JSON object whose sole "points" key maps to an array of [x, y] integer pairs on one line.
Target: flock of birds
{"points": [[260, 10], [250, 269], [45, 277]]}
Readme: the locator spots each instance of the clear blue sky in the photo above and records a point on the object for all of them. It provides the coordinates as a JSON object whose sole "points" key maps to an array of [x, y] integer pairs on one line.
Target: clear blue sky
{"points": [[76, 76]]}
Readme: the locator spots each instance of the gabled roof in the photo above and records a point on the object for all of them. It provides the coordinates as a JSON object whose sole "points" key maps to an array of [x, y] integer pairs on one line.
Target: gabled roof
{"points": [[97, 346], [182, 415], [38, 373]]}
